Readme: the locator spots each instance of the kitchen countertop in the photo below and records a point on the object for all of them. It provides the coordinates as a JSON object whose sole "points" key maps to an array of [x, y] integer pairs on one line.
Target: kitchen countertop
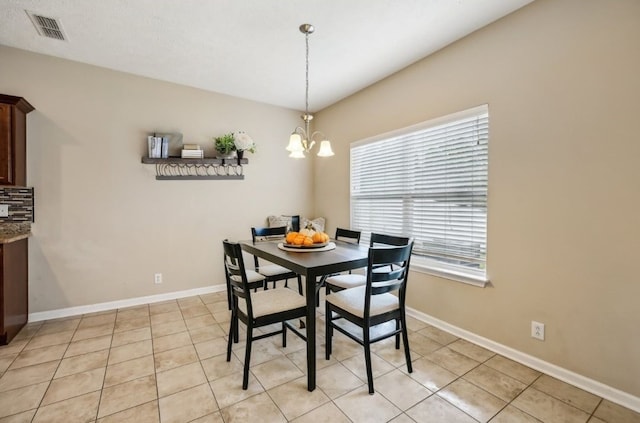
{"points": [[7, 238], [11, 232]]}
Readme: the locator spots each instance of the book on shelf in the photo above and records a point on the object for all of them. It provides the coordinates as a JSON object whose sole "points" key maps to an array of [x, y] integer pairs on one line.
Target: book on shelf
{"points": [[192, 154], [165, 147], [158, 147], [155, 147], [191, 147]]}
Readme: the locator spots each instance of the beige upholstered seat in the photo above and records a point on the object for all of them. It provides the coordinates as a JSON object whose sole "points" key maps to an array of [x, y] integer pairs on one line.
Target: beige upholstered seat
{"points": [[252, 277], [273, 301], [352, 301], [346, 281], [273, 270]]}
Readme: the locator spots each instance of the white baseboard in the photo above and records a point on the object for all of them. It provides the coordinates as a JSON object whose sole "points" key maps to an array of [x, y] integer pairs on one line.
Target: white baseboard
{"points": [[130, 302], [600, 389]]}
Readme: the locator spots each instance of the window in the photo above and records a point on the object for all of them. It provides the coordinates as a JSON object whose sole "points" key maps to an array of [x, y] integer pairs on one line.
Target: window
{"points": [[428, 181]]}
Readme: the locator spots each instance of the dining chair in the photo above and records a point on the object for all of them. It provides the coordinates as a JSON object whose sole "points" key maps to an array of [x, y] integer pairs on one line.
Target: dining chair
{"points": [[257, 309], [348, 235], [254, 279], [352, 280], [342, 234], [273, 272], [372, 308]]}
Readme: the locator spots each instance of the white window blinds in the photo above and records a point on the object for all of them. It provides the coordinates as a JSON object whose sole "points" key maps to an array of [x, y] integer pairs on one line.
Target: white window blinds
{"points": [[429, 182]]}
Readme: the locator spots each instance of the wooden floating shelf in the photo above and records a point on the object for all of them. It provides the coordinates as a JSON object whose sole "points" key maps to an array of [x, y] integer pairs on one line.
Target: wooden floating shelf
{"points": [[206, 160]]}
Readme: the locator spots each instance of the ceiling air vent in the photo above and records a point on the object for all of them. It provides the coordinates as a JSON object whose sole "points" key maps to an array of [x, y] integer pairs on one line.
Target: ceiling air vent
{"points": [[47, 27]]}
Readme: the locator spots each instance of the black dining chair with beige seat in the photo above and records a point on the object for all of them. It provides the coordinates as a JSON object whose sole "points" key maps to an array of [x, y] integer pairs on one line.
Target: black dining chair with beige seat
{"points": [[273, 272], [254, 279], [367, 313], [345, 235], [257, 309], [352, 280]]}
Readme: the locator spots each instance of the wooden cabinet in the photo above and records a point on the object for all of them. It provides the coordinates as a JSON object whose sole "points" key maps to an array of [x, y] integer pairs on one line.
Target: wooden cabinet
{"points": [[14, 291], [13, 140]]}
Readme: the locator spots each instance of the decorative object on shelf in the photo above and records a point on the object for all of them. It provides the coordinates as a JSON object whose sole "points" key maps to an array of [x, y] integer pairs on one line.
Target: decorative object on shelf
{"points": [[158, 146], [206, 168], [301, 140], [192, 151], [225, 146], [243, 142]]}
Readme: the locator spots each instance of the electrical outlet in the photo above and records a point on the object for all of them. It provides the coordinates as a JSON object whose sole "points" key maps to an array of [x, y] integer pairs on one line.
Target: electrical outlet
{"points": [[4, 210], [157, 278], [537, 330]]}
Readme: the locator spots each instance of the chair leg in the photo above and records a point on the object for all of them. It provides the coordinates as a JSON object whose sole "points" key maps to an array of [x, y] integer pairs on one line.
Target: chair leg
{"points": [[318, 289], [247, 358], [300, 285], [236, 329], [230, 341], [284, 335], [405, 340], [328, 332], [367, 360], [397, 334]]}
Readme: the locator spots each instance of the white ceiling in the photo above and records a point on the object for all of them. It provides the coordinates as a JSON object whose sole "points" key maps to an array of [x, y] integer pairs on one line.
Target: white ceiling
{"points": [[252, 48]]}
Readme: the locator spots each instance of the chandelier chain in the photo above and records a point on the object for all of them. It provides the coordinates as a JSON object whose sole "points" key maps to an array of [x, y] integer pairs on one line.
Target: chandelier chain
{"points": [[306, 77]]}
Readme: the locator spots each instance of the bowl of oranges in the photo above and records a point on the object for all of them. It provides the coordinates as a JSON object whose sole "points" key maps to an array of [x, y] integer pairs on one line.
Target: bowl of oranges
{"points": [[306, 238]]}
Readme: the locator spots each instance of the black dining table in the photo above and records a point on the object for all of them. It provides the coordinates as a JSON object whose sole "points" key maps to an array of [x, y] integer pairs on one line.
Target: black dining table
{"points": [[312, 265]]}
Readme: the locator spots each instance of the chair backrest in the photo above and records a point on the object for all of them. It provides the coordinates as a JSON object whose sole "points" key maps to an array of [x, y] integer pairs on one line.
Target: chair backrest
{"points": [[264, 234], [348, 235], [295, 223], [394, 262], [236, 274], [384, 239]]}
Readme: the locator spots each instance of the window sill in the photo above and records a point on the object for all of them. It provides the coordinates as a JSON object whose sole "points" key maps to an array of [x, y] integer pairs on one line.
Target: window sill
{"points": [[478, 281]]}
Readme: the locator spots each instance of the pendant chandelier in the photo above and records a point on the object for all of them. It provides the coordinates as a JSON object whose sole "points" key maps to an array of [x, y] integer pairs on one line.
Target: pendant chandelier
{"points": [[301, 140]]}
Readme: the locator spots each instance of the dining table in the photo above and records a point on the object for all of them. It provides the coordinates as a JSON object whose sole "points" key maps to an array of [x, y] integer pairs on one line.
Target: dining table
{"points": [[312, 264]]}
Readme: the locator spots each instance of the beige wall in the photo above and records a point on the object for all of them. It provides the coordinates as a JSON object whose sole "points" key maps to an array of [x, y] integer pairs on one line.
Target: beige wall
{"points": [[562, 82], [103, 224]]}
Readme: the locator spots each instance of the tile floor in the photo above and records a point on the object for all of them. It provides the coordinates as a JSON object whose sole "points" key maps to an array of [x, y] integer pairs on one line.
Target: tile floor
{"points": [[165, 362]]}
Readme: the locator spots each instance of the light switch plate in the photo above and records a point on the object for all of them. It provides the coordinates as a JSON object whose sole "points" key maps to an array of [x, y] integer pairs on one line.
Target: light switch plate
{"points": [[4, 210]]}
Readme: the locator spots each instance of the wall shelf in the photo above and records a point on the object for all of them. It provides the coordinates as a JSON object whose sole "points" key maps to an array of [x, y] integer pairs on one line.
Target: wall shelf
{"points": [[176, 168]]}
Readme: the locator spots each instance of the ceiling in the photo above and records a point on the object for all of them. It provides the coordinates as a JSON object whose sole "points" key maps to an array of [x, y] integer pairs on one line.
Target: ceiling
{"points": [[252, 48]]}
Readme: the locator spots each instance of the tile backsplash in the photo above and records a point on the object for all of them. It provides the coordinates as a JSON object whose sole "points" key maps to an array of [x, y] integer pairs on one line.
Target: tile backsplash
{"points": [[20, 201]]}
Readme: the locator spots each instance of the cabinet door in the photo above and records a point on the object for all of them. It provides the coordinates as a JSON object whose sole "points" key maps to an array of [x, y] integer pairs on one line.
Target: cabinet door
{"points": [[6, 145], [14, 282]]}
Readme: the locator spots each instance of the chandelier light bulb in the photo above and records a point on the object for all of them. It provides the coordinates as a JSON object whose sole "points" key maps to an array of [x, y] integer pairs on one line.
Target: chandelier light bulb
{"points": [[325, 149]]}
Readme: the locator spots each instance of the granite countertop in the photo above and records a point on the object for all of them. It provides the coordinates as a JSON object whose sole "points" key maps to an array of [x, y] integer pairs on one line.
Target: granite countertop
{"points": [[7, 238], [11, 232]]}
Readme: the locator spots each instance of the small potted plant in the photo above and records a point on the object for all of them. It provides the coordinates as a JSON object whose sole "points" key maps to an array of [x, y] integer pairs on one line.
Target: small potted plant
{"points": [[243, 142], [225, 146]]}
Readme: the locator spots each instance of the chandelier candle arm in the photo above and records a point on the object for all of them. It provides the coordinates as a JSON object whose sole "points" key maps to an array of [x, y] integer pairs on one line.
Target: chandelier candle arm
{"points": [[301, 140]]}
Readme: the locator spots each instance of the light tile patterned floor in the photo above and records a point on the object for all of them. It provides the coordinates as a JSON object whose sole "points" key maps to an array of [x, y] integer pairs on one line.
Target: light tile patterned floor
{"points": [[165, 362]]}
